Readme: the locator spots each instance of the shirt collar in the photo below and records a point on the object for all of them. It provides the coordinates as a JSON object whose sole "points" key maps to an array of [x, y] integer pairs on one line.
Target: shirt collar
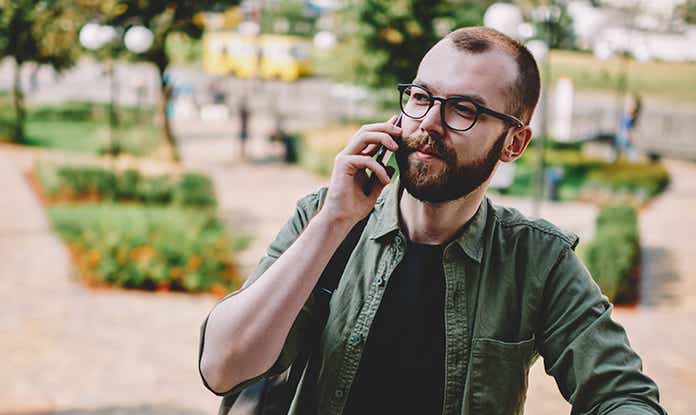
{"points": [[469, 238]]}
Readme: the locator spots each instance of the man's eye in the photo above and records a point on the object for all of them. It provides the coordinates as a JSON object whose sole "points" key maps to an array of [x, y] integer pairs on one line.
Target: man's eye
{"points": [[421, 98], [465, 110]]}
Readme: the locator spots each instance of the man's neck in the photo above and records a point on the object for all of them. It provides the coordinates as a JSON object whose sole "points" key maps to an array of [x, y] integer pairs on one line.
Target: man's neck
{"points": [[437, 223]]}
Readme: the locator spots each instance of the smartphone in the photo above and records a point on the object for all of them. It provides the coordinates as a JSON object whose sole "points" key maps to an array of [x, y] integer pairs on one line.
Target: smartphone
{"points": [[380, 157]]}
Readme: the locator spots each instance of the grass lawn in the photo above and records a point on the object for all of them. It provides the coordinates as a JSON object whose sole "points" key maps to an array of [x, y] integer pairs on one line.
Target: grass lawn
{"points": [[81, 127], [665, 81]]}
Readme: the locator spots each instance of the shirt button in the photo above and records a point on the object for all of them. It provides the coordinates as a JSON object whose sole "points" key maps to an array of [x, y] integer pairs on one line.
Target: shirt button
{"points": [[356, 338], [338, 393], [380, 281]]}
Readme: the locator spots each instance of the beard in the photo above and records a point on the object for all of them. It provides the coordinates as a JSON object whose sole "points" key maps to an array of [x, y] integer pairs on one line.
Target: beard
{"points": [[430, 182]]}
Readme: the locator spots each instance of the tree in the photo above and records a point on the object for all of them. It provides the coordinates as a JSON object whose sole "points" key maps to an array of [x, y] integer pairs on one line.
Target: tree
{"points": [[163, 18], [687, 11], [394, 35], [43, 32], [292, 17]]}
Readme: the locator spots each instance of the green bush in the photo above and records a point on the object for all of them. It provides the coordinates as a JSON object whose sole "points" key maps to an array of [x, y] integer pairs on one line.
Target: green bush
{"points": [[613, 257], [148, 247], [91, 183], [646, 179], [590, 179], [194, 190]]}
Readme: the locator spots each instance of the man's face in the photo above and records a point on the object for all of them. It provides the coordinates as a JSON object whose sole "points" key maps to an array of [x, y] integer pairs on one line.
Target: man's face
{"points": [[456, 163]]}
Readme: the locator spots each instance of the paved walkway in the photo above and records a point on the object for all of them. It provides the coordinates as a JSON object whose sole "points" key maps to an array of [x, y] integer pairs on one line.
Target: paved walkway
{"points": [[70, 349]]}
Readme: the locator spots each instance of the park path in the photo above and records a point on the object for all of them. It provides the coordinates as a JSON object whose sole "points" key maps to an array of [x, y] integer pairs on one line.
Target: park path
{"points": [[71, 349]]}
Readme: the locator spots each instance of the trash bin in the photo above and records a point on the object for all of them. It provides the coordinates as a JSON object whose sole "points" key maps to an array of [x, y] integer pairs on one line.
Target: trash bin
{"points": [[290, 142]]}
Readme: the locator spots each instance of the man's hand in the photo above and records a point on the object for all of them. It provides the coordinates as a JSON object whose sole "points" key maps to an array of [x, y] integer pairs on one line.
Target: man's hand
{"points": [[345, 200]]}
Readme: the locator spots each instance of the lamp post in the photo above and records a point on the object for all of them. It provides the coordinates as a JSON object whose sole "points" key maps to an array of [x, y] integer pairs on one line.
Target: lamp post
{"points": [[94, 36]]}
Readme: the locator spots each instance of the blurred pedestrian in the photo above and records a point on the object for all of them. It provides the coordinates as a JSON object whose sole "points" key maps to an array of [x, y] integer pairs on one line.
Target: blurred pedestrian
{"points": [[625, 140], [244, 114], [281, 136]]}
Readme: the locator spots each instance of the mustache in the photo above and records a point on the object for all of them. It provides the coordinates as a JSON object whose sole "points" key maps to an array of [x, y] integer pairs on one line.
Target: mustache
{"points": [[434, 144]]}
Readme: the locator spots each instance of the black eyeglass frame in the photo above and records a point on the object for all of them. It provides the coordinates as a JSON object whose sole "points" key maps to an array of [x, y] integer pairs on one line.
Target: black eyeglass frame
{"points": [[480, 109]]}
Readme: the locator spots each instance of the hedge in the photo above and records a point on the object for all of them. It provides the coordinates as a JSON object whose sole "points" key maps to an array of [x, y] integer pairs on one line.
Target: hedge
{"points": [[613, 257], [93, 183], [135, 246]]}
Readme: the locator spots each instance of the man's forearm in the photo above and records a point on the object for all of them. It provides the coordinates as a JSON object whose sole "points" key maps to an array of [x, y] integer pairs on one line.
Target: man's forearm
{"points": [[246, 332]]}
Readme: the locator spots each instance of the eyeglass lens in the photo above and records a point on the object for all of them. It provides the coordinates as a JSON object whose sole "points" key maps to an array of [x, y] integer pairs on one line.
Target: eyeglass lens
{"points": [[460, 114]]}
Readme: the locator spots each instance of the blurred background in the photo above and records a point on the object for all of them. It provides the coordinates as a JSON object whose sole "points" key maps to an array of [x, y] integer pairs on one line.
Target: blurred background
{"points": [[150, 151]]}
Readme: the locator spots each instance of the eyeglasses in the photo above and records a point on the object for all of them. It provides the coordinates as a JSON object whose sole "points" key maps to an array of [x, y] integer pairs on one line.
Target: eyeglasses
{"points": [[458, 113]]}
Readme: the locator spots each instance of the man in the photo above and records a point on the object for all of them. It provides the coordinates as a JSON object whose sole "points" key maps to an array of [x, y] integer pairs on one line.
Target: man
{"points": [[447, 300]]}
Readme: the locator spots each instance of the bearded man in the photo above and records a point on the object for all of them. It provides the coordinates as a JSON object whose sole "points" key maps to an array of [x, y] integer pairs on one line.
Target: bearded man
{"points": [[447, 299]]}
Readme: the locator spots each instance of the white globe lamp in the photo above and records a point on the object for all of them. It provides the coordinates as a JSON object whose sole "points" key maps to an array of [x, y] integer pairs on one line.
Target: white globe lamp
{"points": [[504, 17], [90, 36], [138, 39]]}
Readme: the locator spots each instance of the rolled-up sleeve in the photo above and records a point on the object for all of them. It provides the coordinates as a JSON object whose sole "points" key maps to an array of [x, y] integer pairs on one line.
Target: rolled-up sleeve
{"points": [[306, 208], [586, 351]]}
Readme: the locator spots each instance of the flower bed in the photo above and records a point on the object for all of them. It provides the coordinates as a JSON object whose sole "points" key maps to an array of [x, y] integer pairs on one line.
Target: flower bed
{"points": [[135, 231]]}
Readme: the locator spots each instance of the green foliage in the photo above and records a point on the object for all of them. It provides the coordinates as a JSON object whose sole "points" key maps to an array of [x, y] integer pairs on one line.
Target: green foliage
{"points": [[392, 36], [590, 179], [558, 33], [161, 17], [299, 18], [147, 247], [613, 257], [93, 183], [43, 31], [194, 190], [648, 179], [687, 11]]}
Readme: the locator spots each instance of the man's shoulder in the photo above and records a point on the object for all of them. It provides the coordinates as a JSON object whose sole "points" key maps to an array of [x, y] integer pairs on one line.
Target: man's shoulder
{"points": [[515, 225]]}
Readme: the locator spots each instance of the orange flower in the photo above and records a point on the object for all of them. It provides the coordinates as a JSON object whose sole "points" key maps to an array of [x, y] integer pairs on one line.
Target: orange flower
{"points": [[163, 286], [176, 273], [193, 263], [218, 290]]}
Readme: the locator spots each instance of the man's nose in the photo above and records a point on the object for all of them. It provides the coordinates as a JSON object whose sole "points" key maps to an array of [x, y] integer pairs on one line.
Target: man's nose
{"points": [[432, 122]]}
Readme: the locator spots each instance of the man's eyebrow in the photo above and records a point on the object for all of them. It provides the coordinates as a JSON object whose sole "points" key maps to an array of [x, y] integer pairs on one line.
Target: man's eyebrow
{"points": [[474, 97]]}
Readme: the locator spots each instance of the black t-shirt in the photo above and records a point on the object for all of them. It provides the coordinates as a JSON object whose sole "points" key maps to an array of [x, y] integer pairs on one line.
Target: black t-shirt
{"points": [[402, 370]]}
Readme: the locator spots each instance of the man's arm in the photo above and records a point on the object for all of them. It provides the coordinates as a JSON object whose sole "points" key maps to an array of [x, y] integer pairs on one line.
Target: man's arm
{"points": [[586, 351], [245, 333]]}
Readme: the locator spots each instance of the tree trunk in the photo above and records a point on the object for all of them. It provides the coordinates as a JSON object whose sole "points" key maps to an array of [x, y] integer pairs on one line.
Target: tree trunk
{"points": [[166, 90], [20, 111]]}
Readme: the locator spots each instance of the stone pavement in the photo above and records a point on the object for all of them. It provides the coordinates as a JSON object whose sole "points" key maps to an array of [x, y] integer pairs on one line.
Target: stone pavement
{"points": [[73, 350]]}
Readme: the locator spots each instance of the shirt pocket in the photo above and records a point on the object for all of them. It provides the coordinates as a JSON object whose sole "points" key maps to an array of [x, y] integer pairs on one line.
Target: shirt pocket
{"points": [[499, 375]]}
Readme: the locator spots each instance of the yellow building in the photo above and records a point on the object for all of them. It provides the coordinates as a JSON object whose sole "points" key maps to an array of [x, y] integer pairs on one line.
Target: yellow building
{"points": [[269, 56]]}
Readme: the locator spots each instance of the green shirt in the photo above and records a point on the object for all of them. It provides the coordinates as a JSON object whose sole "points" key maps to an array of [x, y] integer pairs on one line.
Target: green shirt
{"points": [[514, 290]]}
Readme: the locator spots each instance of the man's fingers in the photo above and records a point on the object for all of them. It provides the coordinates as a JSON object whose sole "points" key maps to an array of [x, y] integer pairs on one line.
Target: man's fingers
{"points": [[387, 127], [362, 140], [370, 150], [356, 163]]}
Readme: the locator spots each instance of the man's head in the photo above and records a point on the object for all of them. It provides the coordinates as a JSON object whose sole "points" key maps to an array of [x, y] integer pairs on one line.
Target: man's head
{"points": [[500, 74]]}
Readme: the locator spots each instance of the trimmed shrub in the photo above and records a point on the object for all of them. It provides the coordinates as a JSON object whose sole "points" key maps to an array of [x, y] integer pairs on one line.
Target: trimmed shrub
{"points": [[93, 183], [647, 179], [613, 257], [164, 248]]}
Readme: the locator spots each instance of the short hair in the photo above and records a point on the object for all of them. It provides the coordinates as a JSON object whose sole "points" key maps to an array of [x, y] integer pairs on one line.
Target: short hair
{"points": [[525, 90]]}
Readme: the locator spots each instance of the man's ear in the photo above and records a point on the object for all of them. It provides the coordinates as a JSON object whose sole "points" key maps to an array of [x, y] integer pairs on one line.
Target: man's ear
{"points": [[516, 143]]}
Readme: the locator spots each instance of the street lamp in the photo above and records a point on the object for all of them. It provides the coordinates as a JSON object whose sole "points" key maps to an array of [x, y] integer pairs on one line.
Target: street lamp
{"points": [[504, 17], [93, 36]]}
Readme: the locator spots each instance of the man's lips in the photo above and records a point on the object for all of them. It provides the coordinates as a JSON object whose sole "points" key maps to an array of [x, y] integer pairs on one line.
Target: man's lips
{"points": [[427, 151]]}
